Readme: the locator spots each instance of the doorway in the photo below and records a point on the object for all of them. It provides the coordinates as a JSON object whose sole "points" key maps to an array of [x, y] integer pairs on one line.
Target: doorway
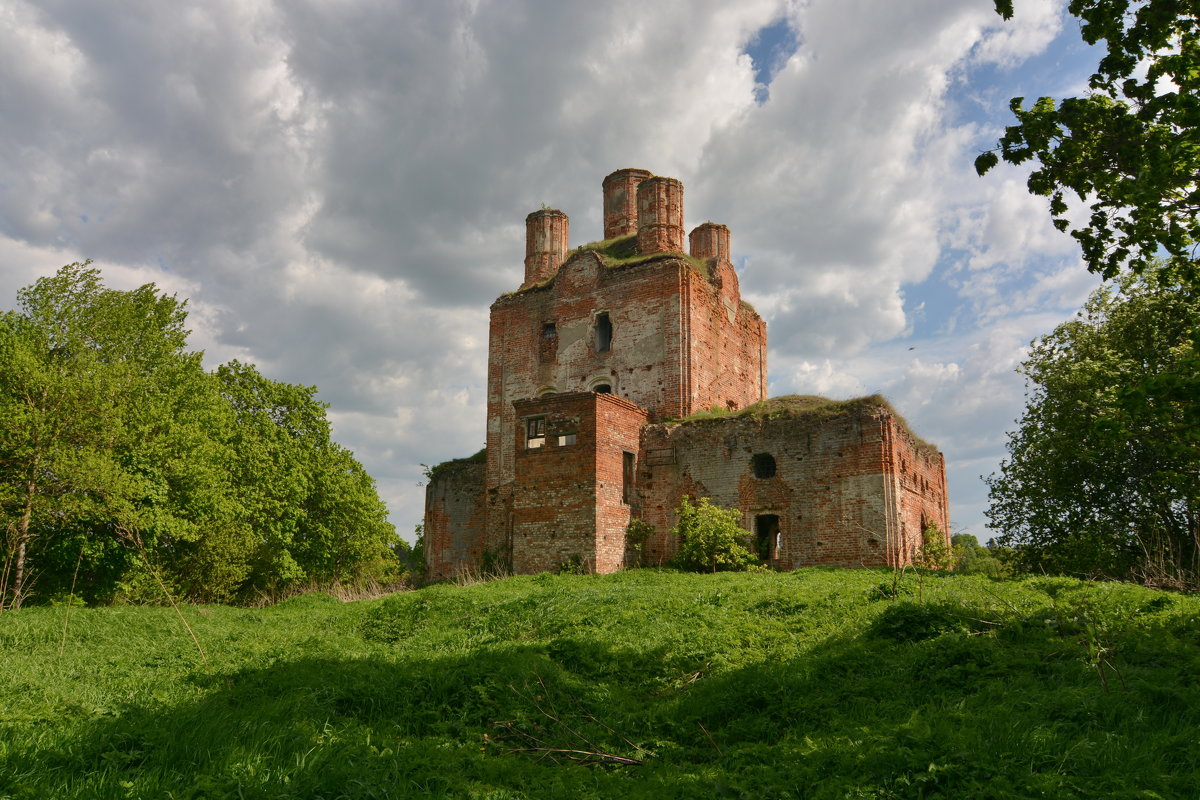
{"points": [[766, 536]]}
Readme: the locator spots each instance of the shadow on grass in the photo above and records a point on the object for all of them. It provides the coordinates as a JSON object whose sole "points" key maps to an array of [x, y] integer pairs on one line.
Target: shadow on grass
{"points": [[926, 702]]}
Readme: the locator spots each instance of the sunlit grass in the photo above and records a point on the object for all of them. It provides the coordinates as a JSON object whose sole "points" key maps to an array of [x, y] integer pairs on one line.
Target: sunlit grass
{"points": [[819, 683]]}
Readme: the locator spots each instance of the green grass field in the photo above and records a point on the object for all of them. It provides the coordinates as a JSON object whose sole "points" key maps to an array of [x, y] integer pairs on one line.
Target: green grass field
{"points": [[820, 683]]}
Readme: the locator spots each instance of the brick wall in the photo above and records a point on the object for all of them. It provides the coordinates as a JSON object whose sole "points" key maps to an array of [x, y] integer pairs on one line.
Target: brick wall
{"points": [[567, 498], [546, 233], [454, 517], [836, 497], [619, 426], [919, 472], [680, 342], [620, 201], [852, 488], [726, 343]]}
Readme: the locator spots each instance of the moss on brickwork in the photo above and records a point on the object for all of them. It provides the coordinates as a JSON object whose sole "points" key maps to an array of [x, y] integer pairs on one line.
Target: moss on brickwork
{"points": [[454, 465], [807, 405]]}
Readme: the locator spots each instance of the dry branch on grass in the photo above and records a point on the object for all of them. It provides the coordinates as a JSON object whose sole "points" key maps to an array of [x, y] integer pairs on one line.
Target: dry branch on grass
{"points": [[557, 738]]}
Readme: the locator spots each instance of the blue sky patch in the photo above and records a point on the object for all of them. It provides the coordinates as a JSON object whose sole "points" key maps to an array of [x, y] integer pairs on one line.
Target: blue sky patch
{"points": [[769, 50]]}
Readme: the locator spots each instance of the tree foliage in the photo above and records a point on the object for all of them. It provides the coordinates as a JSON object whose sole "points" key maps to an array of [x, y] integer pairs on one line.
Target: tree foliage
{"points": [[934, 552], [226, 483], [710, 537], [1097, 483], [1130, 149], [972, 558]]}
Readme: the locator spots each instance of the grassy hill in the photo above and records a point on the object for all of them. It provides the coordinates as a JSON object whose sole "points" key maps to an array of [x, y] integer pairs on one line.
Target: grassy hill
{"points": [[819, 683]]}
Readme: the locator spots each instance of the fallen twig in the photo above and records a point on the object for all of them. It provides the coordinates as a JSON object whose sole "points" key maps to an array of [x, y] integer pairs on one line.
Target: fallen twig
{"points": [[709, 735], [561, 739]]}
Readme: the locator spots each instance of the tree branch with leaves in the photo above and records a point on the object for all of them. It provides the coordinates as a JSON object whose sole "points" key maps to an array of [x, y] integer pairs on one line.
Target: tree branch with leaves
{"points": [[1130, 148]]}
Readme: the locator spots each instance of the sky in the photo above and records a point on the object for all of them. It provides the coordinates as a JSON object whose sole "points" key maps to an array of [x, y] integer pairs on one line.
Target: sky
{"points": [[339, 187]]}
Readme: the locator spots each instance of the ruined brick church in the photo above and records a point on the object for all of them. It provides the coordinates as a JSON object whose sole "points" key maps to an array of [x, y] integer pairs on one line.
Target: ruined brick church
{"points": [[628, 373]]}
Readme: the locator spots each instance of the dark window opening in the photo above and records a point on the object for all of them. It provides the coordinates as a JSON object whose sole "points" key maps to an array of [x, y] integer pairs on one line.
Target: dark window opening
{"points": [[603, 388], [763, 465], [767, 539], [548, 343], [535, 433], [627, 465], [603, 333]]}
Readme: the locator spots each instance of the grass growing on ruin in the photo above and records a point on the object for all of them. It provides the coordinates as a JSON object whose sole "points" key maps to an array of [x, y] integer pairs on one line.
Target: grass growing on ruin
{"points": [[453, 465], [622, 252], [810, 405], [819, 683]]}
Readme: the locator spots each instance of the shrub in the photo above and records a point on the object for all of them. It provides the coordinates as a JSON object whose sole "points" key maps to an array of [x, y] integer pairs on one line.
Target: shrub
{"points": [[934, 552], [636, 536], [710, 538], [972, 558]]}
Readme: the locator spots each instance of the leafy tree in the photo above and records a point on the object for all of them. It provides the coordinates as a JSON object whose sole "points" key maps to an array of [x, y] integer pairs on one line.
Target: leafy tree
{"points": [[1130, 148], [1095, 484], [123, 464], [710, 537], [971, 558], [412, 557], [315, 512], [934, 552], [90, 382]]}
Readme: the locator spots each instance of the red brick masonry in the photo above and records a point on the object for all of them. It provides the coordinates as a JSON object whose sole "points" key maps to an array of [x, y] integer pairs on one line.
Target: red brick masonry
{"points": [[590, 361]]}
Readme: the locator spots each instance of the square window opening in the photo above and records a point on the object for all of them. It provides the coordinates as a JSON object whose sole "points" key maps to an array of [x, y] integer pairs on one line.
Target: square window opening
{"points": [[535, 433]]}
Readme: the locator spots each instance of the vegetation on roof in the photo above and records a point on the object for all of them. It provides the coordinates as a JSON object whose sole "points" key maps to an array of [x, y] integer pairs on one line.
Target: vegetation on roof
{"points": [[453, 465], [809, 405], [622, 252]]}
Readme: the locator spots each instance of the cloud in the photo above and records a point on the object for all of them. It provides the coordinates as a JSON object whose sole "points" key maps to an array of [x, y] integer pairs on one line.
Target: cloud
{"points": [[340, 188], [1037, 23], [854, 166]]}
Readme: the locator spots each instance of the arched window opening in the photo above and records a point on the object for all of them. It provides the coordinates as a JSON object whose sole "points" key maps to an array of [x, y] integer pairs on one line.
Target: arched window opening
{"points": [[763, 465], [603, 332], [602, 388], [548, 343]]}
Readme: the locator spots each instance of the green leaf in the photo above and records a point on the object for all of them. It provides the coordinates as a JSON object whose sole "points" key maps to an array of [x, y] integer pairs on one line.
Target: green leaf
{"points": [[985, 161]]}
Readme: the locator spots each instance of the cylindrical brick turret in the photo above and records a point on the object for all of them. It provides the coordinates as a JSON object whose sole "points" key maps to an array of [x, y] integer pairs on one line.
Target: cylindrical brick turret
{"points": [[710, 240], [620, 202], [660, 216], [545, 244]]}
